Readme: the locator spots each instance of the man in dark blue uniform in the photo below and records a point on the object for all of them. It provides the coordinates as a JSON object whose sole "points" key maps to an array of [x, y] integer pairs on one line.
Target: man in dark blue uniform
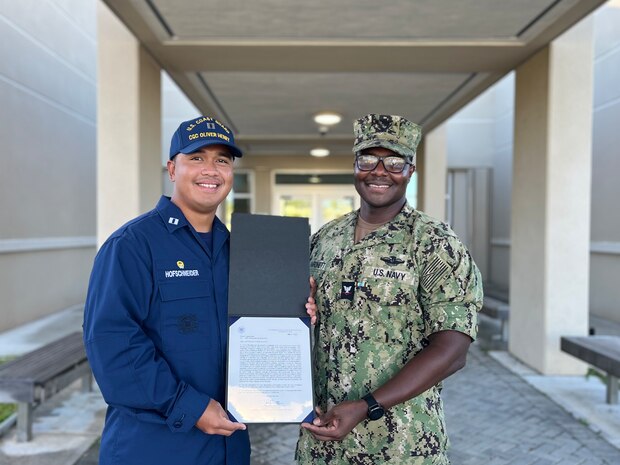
{"points": [[155, 322]]}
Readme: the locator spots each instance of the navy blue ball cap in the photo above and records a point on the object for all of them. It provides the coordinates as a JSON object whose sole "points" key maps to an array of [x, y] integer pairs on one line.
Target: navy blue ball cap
{"points": [[199, 132]]}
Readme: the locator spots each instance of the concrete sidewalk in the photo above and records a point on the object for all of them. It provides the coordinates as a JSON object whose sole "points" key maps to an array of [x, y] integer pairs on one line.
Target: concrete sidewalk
{"points": [[498, 412]]}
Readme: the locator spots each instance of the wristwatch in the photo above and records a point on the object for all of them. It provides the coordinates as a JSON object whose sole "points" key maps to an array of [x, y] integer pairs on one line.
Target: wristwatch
{"points": [[375, 409]]}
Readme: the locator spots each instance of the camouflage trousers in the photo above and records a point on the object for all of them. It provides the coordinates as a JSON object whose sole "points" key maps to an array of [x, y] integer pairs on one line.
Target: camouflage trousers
{"points": [[313, 452]]}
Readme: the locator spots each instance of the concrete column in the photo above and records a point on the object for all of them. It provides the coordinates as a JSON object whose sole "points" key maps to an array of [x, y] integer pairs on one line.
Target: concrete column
{"points": [[432, 169], [262, 190], [550, 225], [128, 126]]}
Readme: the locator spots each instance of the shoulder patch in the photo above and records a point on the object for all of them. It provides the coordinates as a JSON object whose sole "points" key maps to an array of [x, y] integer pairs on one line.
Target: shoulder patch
{"points": [[435, 270]]}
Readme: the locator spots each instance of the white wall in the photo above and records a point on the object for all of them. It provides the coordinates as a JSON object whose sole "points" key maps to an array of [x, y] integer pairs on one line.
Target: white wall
{"points": [[175, 108], [502, 183], [47, 129], [481, 136], [471, 133], [605, 220]]}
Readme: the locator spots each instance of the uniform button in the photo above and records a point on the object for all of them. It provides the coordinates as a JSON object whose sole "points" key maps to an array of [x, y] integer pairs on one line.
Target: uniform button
{"points": [[441, 318], [177, 424]]}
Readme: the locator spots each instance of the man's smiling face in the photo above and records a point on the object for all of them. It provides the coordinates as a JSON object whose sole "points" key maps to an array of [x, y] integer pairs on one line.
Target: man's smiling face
{"points": [[379, 188], [202, 179]]}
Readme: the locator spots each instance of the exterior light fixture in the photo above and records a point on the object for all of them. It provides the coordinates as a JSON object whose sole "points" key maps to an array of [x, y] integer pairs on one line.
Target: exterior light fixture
{"points": [[327, 118], [319, 152]]}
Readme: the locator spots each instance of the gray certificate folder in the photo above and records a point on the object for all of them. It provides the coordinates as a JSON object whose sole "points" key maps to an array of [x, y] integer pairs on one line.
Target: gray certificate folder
{"points": [[269, 270]]}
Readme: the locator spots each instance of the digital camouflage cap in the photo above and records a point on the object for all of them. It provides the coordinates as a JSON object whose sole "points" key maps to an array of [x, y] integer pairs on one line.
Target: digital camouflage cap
{"points": [[389, 131]]}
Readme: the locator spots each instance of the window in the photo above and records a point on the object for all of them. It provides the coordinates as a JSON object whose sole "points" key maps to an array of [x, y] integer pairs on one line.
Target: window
{"points": [[241, 197]]}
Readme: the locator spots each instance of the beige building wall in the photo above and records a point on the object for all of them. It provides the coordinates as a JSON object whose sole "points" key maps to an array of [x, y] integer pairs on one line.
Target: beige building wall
{"points": [[550, 198], [432, 164], [129, 126], [47, 128]]}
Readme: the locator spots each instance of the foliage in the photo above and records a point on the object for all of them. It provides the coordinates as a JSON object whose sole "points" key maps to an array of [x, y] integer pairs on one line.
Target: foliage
{"points": [[593, 372], [6, 410]]}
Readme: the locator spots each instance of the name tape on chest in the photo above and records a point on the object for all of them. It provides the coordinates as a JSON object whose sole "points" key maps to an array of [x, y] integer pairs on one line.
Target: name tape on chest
{"points": [[387, 273], [180, 273]]}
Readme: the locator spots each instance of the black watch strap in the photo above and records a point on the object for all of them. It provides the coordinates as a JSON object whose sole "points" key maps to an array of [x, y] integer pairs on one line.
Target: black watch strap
{"points": [[375, 409]]}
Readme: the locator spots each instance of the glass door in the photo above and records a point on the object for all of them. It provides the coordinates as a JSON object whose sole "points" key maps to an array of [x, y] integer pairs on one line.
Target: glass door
{"points": [[320, 204]]}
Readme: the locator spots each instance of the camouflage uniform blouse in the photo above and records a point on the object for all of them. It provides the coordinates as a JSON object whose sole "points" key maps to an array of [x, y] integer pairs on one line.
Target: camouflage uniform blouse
{"points": [[378, 301]]}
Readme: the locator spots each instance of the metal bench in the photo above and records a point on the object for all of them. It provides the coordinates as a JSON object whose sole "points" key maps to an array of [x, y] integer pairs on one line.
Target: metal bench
{"points": [[500, 310], [36, 376], [602, 352]]}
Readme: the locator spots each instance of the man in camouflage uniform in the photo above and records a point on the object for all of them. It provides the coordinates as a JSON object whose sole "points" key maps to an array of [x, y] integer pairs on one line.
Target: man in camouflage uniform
{"points": [[398, 296]]}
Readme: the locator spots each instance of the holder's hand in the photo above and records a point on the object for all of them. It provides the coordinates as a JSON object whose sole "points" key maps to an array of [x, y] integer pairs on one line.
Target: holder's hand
{"points": [[336, 423], [214, 420], [311, 308]]}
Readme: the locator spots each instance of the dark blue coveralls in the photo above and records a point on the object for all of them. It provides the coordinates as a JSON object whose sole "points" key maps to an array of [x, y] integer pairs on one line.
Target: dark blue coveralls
{"points": [[155, 331]]}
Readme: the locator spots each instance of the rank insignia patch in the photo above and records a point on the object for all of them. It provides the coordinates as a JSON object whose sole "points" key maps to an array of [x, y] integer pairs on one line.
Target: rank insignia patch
{"points": [[346, 292]]}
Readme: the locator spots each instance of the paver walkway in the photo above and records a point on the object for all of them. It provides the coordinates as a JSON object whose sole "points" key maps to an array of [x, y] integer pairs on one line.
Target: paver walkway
{"points": [[494, 417]]}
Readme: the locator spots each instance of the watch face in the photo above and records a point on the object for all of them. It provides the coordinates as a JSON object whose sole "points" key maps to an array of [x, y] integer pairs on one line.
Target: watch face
{"points": [[376, 412]]}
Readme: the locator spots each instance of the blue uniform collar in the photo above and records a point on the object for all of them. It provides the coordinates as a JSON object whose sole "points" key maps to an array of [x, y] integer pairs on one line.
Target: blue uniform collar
{"points": [[173, 218], [171, 215]]}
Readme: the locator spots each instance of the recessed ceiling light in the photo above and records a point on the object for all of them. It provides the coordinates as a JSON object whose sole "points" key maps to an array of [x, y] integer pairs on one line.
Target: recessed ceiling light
{"points": [[327, 118], [319, 152]]}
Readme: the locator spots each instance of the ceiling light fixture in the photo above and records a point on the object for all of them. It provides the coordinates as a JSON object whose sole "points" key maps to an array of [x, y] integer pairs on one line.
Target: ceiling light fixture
{"points": [[327, 118], [319, 152]]}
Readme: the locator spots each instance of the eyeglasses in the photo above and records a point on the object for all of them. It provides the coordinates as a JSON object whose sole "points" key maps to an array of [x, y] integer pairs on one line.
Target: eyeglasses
{"points": [[366, 162]]}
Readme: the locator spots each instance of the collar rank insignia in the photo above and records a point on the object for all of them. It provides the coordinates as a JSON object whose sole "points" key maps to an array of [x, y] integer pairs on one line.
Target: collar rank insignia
{"points": [[173, 221], [346, 291], [392, 260]]}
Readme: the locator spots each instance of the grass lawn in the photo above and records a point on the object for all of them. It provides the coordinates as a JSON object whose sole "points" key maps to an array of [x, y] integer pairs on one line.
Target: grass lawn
{"points": [[6, 409]]}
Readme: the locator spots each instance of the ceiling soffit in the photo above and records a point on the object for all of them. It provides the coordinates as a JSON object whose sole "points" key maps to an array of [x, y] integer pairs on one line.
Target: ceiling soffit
{"points": [[267, 66]]}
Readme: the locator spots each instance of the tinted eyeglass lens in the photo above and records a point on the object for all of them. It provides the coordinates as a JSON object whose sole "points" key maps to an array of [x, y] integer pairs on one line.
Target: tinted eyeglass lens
{"points": [[394, 164], [391, 164]]}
